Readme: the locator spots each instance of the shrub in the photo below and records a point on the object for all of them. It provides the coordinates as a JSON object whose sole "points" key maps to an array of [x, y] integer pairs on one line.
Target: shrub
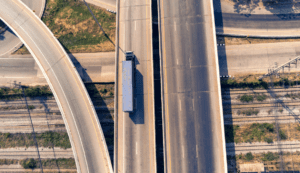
{"points": [[249, 112], [269, 157], [111, 93], [269, 127], [29, 163], [249, 156], [268, 140], [261, 97], [280, 110], [31, 107], [282, 135], [298, 128], [246, 98], [104, 91]]}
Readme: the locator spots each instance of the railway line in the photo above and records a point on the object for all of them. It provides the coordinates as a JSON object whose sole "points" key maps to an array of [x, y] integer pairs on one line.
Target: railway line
{"points": [[261, 119], [286, 146], [31, 152]]}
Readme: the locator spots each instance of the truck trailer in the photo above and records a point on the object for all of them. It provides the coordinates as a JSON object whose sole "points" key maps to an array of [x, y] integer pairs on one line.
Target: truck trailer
{"points": [[128, 82]]}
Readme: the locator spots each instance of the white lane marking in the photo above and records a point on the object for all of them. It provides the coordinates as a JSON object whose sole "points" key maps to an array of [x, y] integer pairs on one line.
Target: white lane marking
{"points": [[183, 151], [63, 94], [175, 25], [136, 150], [179, 104], [197, 151], [193, 105], [134, 25], [123, 142]]}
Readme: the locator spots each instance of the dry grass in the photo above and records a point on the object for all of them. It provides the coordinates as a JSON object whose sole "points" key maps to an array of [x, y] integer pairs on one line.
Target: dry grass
{"points": [[73, 25]]}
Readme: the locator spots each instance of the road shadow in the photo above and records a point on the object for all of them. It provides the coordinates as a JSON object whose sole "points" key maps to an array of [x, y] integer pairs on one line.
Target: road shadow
{"points": [[81, 71], [218, 16], [137, 116], [104, 114], [33, 131], [228, 127]]}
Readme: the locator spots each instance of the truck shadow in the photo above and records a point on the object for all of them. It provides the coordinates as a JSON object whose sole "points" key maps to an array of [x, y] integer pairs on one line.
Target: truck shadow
{"points": [[137, 116]]}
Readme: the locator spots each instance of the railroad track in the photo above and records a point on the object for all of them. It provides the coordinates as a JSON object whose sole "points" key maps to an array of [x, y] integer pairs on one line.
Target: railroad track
{"points": [[288, 146]]}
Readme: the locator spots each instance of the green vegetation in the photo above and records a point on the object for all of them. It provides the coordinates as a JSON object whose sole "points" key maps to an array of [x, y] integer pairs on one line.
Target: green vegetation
{"points": [[282, 135], [248, 112], [29, 163], [298, 128], [269, 157], [249, 156], [61, 163], [111, 93], [8, 161], [250, 133], [17, 93], [261, 97], [47, 139], [232, 83], [246, 98], [74, 26], [104, 90], [280, 110], [268, 140], [31, 107]]}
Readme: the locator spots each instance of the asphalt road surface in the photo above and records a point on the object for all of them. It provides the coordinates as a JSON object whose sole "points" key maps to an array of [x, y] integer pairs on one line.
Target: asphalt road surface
{"points": [[248, 59], [9, 41], [23, 70], [192, 111], [258, 21], [82, 124], [136, 131]]}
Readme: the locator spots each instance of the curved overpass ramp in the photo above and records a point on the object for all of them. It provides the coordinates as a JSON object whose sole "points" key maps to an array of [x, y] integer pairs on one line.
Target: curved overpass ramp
{"points": [[88, 143], [191, 99], [11, 42]]}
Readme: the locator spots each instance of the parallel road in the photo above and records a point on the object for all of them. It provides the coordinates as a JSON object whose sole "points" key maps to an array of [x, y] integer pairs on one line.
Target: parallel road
{"points": [[191, 99], [22, 69], [261, 25], [135, 137], [82, 124]]}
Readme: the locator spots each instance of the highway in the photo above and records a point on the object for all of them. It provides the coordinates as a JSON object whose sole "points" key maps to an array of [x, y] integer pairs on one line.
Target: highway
{"points": [[236, 60], [82, 124], [135, 132], [9, 42], [191, 100], [22, 69]]}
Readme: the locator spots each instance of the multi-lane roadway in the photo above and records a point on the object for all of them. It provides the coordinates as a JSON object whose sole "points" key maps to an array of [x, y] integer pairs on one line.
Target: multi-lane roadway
{"points": [[135, 132], [82, 124], [192, 111]]}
